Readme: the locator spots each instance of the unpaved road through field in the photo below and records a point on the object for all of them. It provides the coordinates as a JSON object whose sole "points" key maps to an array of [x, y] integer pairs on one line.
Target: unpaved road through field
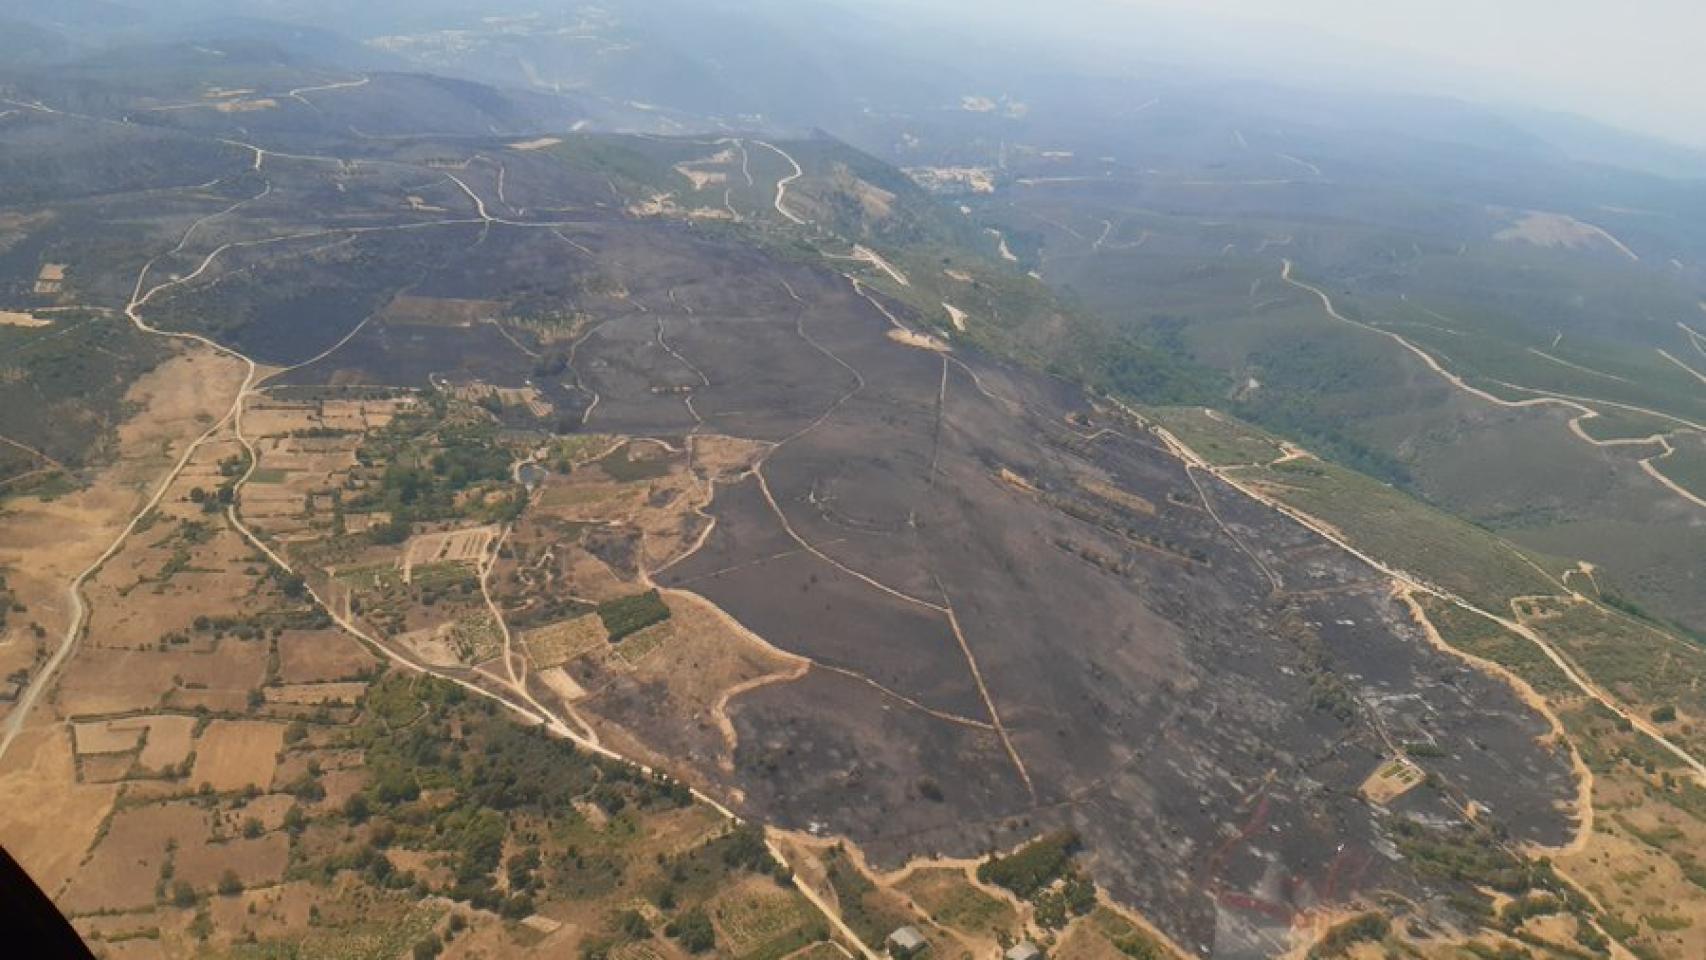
{"points": [[1541, 397]]}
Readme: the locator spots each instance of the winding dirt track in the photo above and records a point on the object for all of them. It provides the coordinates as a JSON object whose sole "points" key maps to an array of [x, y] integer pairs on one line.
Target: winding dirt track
{"points": [[509, 691], [1410, 581], [782, 184], [1542, 398], [32, 451], [79, 611]]}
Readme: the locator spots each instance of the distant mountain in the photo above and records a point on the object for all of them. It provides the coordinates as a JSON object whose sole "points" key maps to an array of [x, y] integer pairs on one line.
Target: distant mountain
{"points": [[1589, 141], [24, 42]]}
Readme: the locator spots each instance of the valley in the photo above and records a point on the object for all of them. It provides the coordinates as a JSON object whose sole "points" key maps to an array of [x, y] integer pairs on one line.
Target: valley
{"points": [[458, 531]]}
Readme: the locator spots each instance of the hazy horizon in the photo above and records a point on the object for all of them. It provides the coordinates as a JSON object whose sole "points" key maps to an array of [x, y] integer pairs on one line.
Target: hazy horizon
{"points": [[1628, 66]]}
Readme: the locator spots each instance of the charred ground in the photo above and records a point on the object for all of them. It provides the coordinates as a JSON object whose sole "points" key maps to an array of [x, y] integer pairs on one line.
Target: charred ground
{"points": [[1005, 604]]}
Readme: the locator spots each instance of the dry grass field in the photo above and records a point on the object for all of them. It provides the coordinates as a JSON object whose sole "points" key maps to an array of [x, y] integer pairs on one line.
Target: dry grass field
{"points": [[118, 681], [321, 656], [441, 310], [256, 861], [558, 643], [107, 736], [558, 681], [952, 900], [313, 694], [49, 818], [47, 542], [235, 754], [122, 872], [170, 739]]}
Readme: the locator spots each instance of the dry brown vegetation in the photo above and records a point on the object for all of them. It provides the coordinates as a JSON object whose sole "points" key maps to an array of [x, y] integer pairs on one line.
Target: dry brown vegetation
{"points": [[14, 318], [441, 310], [236, 754], [321, 656]]}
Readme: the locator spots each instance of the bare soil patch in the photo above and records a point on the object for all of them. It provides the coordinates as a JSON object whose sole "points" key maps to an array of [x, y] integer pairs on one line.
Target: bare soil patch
{"points": [[245, 106], [922, 341], [955, 316], [440, 311], [560, 683], [13, 318], [1558, 230], [1391, 780]]}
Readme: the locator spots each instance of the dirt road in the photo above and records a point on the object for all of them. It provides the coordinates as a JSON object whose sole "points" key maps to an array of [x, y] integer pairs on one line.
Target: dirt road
{"points": [[1542, 398], [782, 184], [1577, 677]]}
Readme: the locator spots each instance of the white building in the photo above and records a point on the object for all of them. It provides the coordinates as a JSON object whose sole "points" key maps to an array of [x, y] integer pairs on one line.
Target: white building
{"points": [[906, 942]]}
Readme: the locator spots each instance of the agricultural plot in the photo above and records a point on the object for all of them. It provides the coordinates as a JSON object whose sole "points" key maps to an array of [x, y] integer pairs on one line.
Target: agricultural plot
{"points": [[235, 754], [127, 862], [754, 921], [107, 736], [692, 665], [314, 694], [954, 902], [169, 742], [631, 614], [313, 657], [558, 643], [468, 546], [1391, 780]]}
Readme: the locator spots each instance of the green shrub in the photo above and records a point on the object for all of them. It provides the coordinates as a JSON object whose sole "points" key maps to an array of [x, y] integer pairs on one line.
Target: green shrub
{"points": [[629, 615], [1035, 865], [1372, 926], [693, 931]]}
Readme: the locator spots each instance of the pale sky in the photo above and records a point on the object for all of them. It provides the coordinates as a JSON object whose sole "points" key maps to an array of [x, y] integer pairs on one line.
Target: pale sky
{"points": [[1639, 64]]}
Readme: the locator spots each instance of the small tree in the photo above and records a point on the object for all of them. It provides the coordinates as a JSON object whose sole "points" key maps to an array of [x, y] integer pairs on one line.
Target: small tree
{"points": [[229, 884], [357, 809], [693, 931]]}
